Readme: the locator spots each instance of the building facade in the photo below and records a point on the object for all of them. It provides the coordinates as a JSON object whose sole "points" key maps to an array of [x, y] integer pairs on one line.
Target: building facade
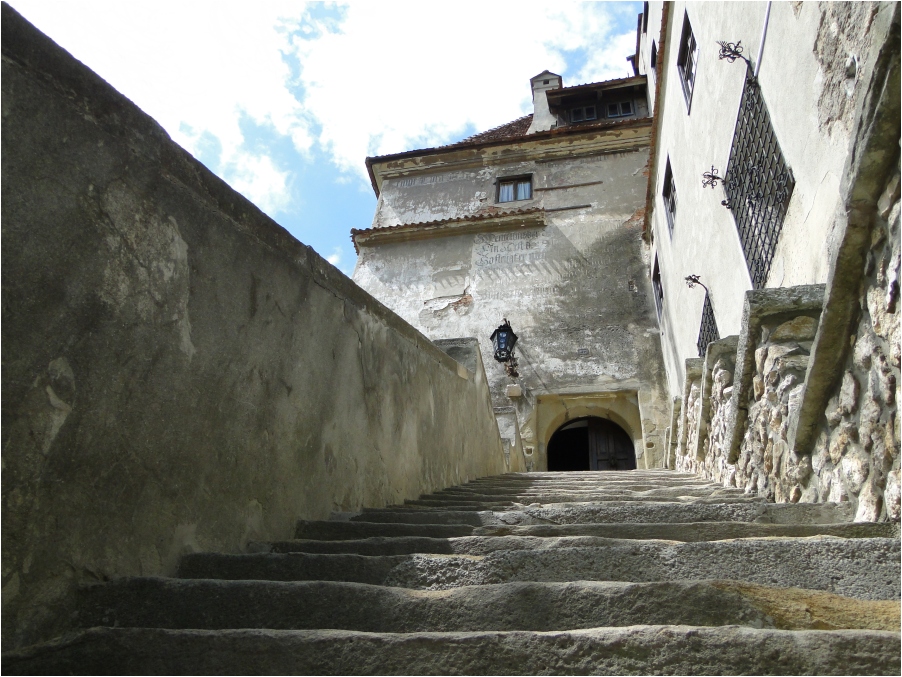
{"points": [[538, 221], [646, 236]]}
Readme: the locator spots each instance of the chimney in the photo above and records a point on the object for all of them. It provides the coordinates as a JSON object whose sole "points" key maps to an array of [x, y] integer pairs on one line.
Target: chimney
{"points": [[542, 118]]}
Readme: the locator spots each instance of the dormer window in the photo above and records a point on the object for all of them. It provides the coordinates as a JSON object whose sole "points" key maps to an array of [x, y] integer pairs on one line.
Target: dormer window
{"points": [[515, 189], [582, 114], [620, 109]]}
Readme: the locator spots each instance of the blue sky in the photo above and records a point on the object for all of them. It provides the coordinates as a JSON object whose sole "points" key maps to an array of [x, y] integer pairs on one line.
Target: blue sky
{"points": [[284, 99]]}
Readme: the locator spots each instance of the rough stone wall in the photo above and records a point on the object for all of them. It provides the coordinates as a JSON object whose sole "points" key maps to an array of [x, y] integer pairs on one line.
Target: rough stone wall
{"points": [[716, 464], [179, 373], [687, 431], [766, 465], [856, 456]]}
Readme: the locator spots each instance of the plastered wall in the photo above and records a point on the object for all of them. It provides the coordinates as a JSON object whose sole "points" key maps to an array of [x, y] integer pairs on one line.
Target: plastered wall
{"points": [[179, 373], [572, 281]]}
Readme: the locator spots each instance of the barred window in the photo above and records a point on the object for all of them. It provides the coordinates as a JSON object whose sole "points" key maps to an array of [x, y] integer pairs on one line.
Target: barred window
{"points": [[758, 183], [707, 331]]}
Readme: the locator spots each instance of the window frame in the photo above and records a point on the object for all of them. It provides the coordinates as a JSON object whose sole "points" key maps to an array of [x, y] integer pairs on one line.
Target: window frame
{"points": [[670, 196], [513, 181], [658, 290], [687, 61], [583, 109], [620, 113]]}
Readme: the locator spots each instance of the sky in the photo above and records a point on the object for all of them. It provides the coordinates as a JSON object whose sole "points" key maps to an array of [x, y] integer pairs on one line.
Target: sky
{"points": [[285, 100]]}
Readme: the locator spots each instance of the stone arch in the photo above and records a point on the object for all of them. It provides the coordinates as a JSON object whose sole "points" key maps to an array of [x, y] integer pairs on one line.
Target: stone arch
{"points": [[590, 443], [621, 408]]}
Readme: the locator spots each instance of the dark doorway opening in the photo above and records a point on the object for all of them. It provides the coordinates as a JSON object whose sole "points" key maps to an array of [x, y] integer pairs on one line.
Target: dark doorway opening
{"points": [[591, 443]]}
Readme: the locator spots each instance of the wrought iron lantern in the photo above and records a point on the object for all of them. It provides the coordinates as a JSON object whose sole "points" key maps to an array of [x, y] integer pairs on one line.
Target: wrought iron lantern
{"points": [[504, 339]]}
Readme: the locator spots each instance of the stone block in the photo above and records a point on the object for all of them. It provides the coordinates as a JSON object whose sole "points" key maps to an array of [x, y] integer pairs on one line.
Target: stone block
{"points": [[848, 393], [870, 503], [892, 495], [856, 466], [801, 328]]}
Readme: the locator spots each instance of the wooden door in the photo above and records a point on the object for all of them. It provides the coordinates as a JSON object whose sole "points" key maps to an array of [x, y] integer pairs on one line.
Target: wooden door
{"points": [[610, 448]]}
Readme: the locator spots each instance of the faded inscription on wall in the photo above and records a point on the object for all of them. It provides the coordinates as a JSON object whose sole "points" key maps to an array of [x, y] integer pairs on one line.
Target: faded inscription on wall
{"points": [[492, 250]]}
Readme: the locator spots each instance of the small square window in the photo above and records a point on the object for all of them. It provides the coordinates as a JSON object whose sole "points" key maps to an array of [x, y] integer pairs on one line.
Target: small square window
{"points": [[670, 197], [687, 60], [582, 114], [620, 109], [516, 189]]}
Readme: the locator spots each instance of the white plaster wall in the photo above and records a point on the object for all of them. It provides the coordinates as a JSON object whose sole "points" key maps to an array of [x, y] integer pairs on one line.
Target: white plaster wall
{"points": [[569, 290], [798, 81]]}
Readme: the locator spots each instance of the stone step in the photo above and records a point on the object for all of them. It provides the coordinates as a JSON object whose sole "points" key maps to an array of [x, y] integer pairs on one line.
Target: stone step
{"points": [[458, 503], [671, 531], [327, 530], [215, 605], [634, 650], [577, 496], [696, 531], [614, 511], [474, 518], [865, 568]]}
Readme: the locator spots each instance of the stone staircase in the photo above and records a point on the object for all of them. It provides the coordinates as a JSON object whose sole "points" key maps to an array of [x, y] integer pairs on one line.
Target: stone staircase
{"points": [[638, 572]]}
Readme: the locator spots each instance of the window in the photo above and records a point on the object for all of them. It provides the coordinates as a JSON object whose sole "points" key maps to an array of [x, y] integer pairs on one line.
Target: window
{"points": [[518, 188], [707, 330], [654, 56], [658, 289], [758, 183], [687, 60], [670, 197], [582, 114], [620, 109]]}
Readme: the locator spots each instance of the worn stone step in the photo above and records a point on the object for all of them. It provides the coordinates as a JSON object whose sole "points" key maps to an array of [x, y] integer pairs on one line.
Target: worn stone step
{"points": [[325, 530], [458, 503], [625, 511], [639, 650], [213, 605], [695, 531], [582, 496], [865, 568], [464, 545], [475, 518], [492, 539]]}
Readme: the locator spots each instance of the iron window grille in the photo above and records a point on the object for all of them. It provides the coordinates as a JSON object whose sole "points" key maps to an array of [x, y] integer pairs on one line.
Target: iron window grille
{"points": [[515, 189], [669, 194], [687, 60], [758, 183], [707, 330]]}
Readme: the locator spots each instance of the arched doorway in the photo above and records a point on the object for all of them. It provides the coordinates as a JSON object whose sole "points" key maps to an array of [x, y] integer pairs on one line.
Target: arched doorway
{"points": [[591, 443]]}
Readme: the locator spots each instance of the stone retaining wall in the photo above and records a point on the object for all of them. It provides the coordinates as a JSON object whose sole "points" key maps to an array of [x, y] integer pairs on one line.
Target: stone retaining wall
{"points": [[179, 373]]}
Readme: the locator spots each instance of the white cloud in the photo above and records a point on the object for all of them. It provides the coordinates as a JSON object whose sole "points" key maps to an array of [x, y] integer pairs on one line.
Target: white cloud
{"points": [[391, 76], [259, 180], [400, 75], [197, 67], [335, 257]]}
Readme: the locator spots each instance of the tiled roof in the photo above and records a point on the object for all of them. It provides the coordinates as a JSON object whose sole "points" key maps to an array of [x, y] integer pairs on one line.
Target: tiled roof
{"points": [[509, 130], [488, 213]]}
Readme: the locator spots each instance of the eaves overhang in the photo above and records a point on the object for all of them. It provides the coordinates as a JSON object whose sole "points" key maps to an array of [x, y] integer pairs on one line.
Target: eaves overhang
{"points": [[564, 141], [492, 220]]}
